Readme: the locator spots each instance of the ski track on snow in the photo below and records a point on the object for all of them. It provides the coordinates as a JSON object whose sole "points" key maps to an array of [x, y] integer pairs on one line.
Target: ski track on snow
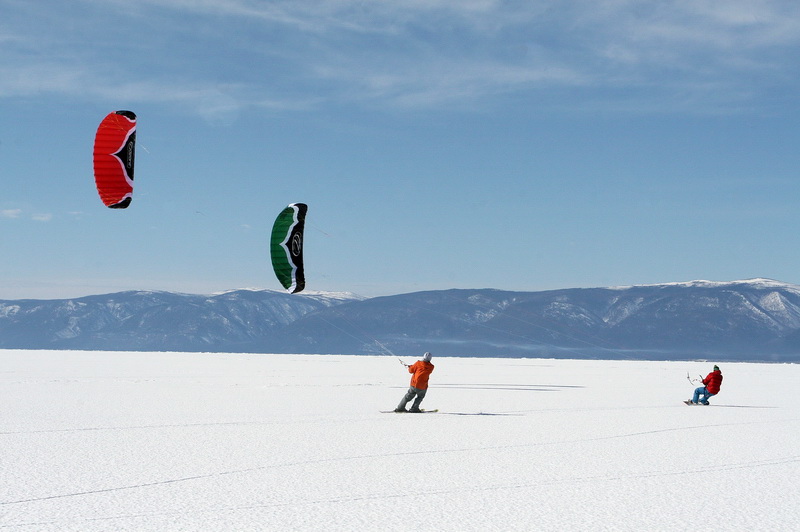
{"points": [[423, 492], [429, 452]]}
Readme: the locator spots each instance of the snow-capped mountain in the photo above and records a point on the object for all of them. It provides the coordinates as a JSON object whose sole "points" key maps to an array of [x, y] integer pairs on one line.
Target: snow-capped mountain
{"points": [[746, 320], [757, 319], [158, 321]]}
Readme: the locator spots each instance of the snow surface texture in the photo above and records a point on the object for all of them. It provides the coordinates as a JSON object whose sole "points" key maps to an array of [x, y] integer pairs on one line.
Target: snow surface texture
{"points": [[175, 441]]}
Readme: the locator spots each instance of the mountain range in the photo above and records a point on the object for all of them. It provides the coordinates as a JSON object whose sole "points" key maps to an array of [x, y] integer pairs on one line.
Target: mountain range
{"points": [[753, 320]]}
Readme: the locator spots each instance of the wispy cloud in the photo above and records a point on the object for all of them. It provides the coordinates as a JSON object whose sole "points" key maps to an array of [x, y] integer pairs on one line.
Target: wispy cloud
{"points": [[17, 214], [221, 56]]}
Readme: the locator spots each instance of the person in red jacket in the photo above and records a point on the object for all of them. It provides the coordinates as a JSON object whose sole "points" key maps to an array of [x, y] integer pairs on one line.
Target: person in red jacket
{"points": [[420, 370], [710, 387]]}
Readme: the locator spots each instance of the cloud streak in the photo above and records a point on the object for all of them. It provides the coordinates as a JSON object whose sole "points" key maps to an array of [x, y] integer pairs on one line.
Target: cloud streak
{"points": [[16, 214], [295, 55]]}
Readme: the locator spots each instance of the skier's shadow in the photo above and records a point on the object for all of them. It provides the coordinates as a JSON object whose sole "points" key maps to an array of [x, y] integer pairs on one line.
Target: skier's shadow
{"points": [[506, 387], [743, 406], [478, 414]]}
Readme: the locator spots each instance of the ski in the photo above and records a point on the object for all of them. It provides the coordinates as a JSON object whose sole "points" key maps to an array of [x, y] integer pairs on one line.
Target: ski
{"points": [[407, 412]]}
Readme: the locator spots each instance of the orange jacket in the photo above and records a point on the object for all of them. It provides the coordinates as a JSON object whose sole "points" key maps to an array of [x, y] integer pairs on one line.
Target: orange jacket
{"points": [[421, 371]]}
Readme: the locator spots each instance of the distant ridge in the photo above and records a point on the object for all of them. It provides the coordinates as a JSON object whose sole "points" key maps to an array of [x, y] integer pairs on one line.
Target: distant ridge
{"points": [[755, 319]]}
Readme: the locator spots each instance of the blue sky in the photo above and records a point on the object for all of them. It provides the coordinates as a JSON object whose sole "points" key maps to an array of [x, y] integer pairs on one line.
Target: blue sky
{"points": [[439, 144]]}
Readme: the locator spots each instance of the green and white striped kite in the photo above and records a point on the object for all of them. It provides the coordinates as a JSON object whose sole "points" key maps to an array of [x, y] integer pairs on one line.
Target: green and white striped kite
{"points": [[286, 247]]}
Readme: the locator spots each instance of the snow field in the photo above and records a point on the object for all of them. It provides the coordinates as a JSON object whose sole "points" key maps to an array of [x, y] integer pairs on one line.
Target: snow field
{"points": [[179, 441]]}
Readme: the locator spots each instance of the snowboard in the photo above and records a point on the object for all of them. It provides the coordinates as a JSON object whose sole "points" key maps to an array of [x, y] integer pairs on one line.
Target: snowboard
{"points": [[689, 403], [420, 412]]}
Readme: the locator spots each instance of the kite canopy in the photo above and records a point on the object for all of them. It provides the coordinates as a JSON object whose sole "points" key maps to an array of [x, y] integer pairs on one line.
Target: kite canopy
{"points": [[114, 148], [286, 247]]}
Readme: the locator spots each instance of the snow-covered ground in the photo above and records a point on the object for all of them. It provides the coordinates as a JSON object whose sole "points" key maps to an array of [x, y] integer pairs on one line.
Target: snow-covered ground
{"points": [[175, 441]]}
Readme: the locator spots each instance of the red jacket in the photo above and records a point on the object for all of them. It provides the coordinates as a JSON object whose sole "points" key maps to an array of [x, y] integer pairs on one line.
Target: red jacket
{"points": [[713, 381], [421, 371]]}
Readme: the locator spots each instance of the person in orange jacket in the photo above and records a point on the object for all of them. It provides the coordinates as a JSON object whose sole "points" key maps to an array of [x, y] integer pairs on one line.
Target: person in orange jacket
{"points": [[420, 370], [710, 387]]}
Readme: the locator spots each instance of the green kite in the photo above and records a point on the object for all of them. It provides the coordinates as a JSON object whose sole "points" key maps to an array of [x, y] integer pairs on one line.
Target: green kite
{"points": [[286, 247]]}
